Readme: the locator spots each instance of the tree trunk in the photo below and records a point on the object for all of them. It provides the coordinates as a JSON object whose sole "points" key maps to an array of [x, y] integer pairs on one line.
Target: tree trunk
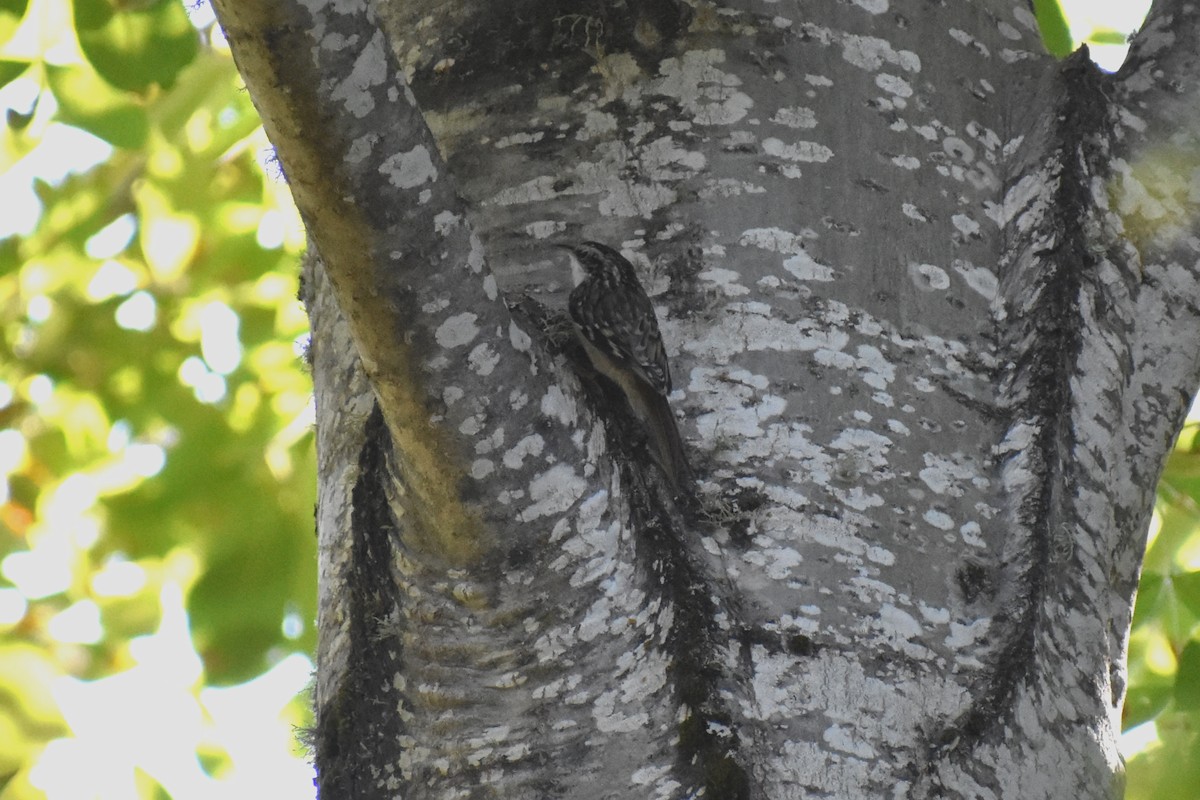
{"points": [[930, 300]]}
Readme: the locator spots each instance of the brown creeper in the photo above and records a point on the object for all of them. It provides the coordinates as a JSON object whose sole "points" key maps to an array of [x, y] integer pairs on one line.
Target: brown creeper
{"points": [[615, 321]]}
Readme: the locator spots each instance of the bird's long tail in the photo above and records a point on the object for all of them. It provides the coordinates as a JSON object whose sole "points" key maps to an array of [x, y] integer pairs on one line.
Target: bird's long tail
{"points": [[667, 444]]}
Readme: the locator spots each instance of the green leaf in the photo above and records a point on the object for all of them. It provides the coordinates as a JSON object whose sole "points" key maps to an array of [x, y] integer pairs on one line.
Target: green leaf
{"points": [[11, 13], [10, 70], [134, 49], [1143, 703], [87, 102], [1171, 769], [1187, 678], [1056, 35], [91, 15], [1108, 36], [1149, 599], [1187, 588]]}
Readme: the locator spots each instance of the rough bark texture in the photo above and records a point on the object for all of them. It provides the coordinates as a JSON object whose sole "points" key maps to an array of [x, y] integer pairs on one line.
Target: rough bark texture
{"points": [[931, 301]]}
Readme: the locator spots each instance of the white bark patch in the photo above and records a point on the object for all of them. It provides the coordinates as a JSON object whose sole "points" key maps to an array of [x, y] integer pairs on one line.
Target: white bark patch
{"points": [[591, 517], [881, 556], [773, 683], [910, 163], [1133, 198], [409, 170], [985, 136], [928, 277], [648, 775], [742, 421], [517, 398], [482, 467], [871, 53], [483, 359], [967, 40], [519, 339], [1028, 196], [1008, 32], [867, 447], [729, 187], [557, 405], [446, 222], [965, 225], [835, 534], [878, 372], [843, 739], [938, 519], [755, 332], [726, 279], [596, 124], [488, 444], [912, 212], [360, 149], [475, 256], [662, 154], [776, 561], [550, 646], [1026, 18], [370, 69], [519, 139], [531, 445], [470, 426], [775, 239], [1131, 120], [536, 190], [741, 405], [596, 620], [872, 6], [927, 132], [545, 228], [894, 85], [811, 152], [457, 330], [958, 149], [981, 279], [647, 674], [963, 637], [709, 94], [858, 498], [806, 268], [795, 117], [971, 534], [609, 720], [900, 624], [553, 492], [1012, 145], [946, 476]]}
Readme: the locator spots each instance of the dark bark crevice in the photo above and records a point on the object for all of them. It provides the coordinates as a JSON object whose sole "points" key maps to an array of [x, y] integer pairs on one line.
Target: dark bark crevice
{"points": [[1052, 265], [360, 727]]}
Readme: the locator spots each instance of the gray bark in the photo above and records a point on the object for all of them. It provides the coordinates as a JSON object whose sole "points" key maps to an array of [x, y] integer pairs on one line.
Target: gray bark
{"points": [[931, 303]]}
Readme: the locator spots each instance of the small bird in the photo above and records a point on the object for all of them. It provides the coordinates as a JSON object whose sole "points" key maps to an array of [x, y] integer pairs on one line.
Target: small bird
{"points": [[615, 321]]}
